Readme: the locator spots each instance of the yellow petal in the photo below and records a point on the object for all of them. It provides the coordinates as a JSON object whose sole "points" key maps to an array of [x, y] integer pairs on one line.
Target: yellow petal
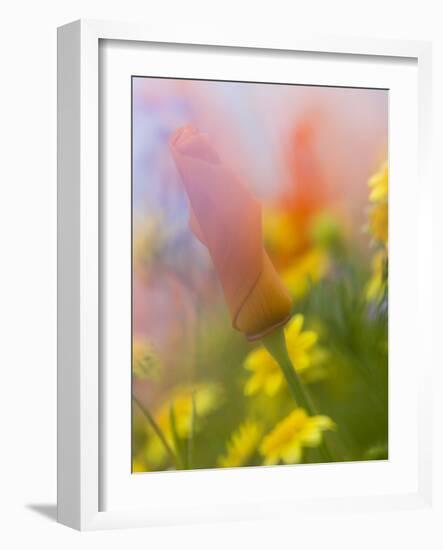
{"points": [[257, 358], [293, 453], [273, 383], [253, 385], [311, 436], [306, 340], [323, 422], [300, 359], [294, 326]]}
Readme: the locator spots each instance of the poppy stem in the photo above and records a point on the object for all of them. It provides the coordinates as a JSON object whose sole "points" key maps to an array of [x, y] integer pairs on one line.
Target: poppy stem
{"points": [[275, 343]]}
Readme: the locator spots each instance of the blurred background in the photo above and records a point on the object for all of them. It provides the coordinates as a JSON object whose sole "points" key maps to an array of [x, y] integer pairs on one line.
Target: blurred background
{"points": [[308, 153]]}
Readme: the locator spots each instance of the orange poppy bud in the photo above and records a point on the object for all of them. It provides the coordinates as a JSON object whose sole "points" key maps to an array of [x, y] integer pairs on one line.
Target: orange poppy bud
{"points": [[226, 217]]}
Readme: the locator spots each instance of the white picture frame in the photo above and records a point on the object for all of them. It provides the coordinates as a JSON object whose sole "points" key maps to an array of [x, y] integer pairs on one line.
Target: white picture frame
{"points": [[80, 408]]}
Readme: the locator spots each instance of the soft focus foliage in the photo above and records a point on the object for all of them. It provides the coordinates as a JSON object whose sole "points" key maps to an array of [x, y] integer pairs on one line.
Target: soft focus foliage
{"points": [[314, 158]]}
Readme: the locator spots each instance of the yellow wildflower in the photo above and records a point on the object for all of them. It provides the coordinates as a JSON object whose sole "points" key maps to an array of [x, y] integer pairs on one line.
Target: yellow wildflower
{"points": [[286, 441], [378, 184], [378, 226], [306, 270], [145, 362], [266, 373], [242, 445], [376, 287], [378, 214], [378, 221], [206, 398]]}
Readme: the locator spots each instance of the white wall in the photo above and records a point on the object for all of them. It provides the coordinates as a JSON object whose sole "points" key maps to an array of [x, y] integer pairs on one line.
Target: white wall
{"points": [[28, 263]]}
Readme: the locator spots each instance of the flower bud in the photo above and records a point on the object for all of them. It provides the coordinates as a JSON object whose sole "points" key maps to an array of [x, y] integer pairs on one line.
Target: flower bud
{"points": [[226, 217]]}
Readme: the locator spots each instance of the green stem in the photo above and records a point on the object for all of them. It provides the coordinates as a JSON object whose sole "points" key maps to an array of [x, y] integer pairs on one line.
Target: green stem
{"points": [[157, 430], [275, 343]]}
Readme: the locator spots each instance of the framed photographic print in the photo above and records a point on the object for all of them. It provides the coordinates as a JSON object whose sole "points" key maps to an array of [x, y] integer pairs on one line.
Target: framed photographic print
{"points": [[241, 262]]}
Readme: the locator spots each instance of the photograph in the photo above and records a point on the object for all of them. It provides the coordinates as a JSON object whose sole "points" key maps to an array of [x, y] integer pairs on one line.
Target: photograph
{"points": [[259, 274], [223, 252]]}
